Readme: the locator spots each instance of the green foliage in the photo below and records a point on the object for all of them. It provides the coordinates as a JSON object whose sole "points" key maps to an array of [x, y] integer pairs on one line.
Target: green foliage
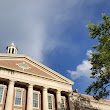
{"points": [[100, 59]]}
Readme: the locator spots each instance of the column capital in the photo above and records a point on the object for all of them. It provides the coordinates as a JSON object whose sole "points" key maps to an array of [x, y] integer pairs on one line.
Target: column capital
{"points": [[30, 86], [11, 81], [45, 88], [58, 91]]}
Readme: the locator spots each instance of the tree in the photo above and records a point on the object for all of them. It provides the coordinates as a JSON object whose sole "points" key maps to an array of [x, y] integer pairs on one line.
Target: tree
{"points": [[100, 58]]}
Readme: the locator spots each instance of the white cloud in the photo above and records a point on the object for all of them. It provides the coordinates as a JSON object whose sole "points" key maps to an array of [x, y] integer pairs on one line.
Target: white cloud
{"points": [[82, 69], [89, 53]]}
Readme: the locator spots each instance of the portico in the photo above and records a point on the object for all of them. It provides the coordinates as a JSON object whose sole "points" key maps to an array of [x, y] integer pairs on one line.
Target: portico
{"points": [[44, 91], [30, 85]]}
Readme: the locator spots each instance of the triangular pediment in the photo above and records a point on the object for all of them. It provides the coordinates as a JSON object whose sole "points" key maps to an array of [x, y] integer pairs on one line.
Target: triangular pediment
{"points": [[25, 64]]}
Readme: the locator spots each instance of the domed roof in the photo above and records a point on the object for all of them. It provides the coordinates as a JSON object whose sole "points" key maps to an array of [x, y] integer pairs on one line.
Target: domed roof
{"points": [[12, 45], [12, 49]]}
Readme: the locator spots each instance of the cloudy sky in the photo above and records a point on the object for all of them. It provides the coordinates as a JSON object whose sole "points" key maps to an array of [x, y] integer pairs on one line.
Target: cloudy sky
{"points": [[53, 32]]}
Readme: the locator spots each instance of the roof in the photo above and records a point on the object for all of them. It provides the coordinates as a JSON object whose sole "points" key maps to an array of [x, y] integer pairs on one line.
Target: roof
{"points": [[92, 99], [12, 45], [104, 101], [25, 64]]}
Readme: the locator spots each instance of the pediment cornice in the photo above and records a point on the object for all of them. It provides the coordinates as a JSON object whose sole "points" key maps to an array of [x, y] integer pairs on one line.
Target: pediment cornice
{"points": [[12, 61]]}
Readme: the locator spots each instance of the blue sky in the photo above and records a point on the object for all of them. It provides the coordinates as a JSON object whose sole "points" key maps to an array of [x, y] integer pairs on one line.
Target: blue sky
{"points": [[54, 33]]}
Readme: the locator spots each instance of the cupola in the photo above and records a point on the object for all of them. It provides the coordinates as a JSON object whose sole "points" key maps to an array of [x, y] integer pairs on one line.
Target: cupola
{"points": [[12, 49]]}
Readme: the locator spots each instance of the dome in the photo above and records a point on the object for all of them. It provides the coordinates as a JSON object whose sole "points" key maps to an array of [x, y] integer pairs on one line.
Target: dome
{"points": [[12, 49]]}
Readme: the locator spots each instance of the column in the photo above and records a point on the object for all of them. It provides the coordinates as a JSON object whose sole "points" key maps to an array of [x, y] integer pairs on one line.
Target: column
{"points": [[45, 99], [58, 97], [11, 50], [9, 99], [14, 50], [30, 98], [8, 50]]}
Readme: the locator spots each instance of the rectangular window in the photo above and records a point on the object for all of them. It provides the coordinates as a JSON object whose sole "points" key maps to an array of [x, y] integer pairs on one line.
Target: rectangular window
{"points": [[63, 103], [1, 93], [35, 100], [18, 97], [50, 102]]}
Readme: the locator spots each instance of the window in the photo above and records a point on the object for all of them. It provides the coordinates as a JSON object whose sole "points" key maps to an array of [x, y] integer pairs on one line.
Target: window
{"points": [[1, 93], [12, 50], [63, 103], [18, 97], [50, 102], [35, 99]]}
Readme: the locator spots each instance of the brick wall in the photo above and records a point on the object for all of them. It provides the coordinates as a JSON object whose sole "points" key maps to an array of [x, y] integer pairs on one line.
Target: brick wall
{"points": [[22, 107], [24, 99]]}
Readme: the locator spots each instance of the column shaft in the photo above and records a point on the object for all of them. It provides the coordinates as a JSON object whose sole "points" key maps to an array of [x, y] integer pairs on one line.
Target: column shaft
{"points": [[9, 99], [30, 98], [45, 99], [58, 97], [10, 50]]}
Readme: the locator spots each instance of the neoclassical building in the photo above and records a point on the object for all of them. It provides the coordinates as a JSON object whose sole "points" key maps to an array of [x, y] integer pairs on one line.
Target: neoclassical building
{"points": [[26, 84]]}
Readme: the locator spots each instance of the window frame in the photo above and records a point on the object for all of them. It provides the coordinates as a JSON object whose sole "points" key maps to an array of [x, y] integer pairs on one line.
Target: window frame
{"points": [[38, 93], [4, 86], [17, 88], [51, 102], [64, 99]]}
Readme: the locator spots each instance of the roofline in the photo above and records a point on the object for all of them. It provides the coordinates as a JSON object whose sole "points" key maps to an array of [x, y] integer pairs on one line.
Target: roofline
{"points": [[29, 73], [36, 62], [93, 100]]}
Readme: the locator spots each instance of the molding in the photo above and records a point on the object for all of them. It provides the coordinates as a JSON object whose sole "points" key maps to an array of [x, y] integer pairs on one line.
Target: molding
{"points": [[7, 69], [24, 72], [5, 56], [26, 78]]}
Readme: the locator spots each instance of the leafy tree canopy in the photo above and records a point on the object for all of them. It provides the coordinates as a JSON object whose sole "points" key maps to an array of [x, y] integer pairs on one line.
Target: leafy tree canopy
{"points": [[100, 59]]}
